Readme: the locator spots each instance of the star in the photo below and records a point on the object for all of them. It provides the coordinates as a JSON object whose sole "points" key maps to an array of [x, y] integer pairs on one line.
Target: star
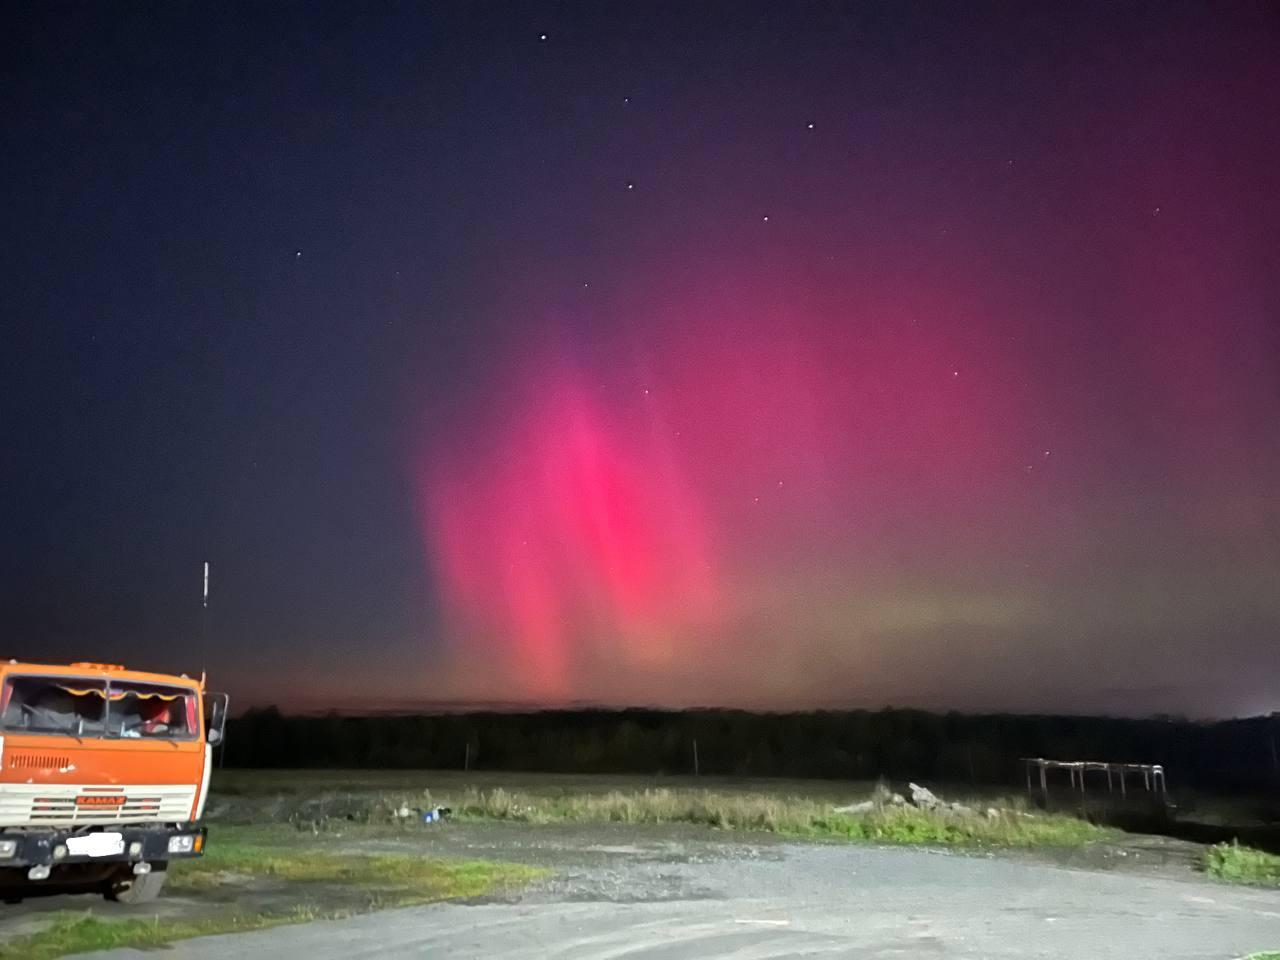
{"points": [[297, 254], [766, 218], [630, 186], [810, 126], [542, 37], [626, 99], [955, 373]]}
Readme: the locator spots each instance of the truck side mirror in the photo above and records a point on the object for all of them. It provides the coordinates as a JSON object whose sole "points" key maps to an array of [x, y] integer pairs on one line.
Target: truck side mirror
{"points": [[217, 722]]}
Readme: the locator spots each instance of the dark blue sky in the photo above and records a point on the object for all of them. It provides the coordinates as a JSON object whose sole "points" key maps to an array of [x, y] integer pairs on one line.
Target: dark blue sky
{"points": [[774, 354]]}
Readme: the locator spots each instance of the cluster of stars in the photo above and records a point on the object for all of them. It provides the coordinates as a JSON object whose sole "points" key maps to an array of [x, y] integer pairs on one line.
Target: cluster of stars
{"points": [[630, 185]]}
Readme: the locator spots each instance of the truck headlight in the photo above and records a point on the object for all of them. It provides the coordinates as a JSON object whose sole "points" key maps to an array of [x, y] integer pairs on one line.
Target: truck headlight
{"points": [[8, 848], [183, 843]]}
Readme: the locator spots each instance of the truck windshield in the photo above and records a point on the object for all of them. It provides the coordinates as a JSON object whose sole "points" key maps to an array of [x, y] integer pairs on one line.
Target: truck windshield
{"points": [[151, 711], [66, 705]]}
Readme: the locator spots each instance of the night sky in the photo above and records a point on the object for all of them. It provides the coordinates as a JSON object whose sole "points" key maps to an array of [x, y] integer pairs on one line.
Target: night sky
{"points": [[776, 356]]}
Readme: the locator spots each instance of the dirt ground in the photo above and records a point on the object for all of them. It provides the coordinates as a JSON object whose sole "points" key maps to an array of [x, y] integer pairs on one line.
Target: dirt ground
{"points": [[677, 893], [587, 863]]}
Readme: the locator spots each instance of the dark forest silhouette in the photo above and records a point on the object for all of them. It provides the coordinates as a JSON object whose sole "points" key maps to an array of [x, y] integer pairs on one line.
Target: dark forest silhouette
{"points": [[895, 743]]}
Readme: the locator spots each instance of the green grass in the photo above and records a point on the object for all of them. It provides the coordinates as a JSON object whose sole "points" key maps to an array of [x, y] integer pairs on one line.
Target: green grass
{"points": [[281, 858], [72, 933], [1233, 863], [790, 816], [274, 854]]}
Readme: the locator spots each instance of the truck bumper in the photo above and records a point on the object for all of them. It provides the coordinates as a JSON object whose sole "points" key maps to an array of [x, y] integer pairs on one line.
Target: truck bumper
{"points": [[149, 843]]}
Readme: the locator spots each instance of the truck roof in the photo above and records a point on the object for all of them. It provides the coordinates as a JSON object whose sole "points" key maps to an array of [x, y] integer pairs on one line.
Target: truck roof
{"points": [[104, 670]]}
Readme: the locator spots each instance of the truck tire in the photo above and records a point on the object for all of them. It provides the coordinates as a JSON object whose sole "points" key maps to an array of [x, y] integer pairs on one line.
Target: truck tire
{"points": [[125, 887]]}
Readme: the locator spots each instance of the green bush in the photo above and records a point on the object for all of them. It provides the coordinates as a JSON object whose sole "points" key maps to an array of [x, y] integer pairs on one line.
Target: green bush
{"points": [[1236, 864]]}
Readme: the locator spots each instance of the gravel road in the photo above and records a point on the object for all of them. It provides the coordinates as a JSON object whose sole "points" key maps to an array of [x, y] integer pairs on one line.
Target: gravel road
{"points": [[659, 899]]}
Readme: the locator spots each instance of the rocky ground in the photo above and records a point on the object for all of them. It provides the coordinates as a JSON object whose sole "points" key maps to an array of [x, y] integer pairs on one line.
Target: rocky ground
{"points": [[666, 893]]}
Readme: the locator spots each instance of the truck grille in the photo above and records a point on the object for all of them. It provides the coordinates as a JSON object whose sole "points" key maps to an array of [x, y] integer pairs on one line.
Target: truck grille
{"points": [[35, 804], [36, 761]]}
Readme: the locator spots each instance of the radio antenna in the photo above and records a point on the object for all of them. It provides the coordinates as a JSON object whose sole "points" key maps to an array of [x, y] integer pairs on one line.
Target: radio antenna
{"points": [[204, 615]]}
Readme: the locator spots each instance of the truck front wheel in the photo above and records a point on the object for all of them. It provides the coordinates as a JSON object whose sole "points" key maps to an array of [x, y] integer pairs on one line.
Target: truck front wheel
{"points": [[127, 887]]}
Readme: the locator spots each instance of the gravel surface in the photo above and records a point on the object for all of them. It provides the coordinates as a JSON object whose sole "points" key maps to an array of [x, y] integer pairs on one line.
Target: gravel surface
{"points": [[663, 895]]}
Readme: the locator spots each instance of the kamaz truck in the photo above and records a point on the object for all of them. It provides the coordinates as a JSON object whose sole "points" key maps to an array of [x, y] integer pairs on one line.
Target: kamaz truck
{"points": [[104, 773]]}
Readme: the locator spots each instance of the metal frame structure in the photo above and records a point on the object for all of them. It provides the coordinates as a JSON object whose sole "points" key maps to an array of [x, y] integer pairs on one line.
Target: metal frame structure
{"points": [[1152, 774]]}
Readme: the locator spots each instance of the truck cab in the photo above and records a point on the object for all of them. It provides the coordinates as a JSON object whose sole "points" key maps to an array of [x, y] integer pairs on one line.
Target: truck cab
{"points": [[104, 774]]}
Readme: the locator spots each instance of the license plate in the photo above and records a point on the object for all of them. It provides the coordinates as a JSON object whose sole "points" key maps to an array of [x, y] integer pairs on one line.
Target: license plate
{"points": [[96, 845]]}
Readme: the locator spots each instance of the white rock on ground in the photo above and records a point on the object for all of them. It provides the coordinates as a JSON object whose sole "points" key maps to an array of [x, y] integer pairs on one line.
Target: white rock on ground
{"points": [[923, 797]]}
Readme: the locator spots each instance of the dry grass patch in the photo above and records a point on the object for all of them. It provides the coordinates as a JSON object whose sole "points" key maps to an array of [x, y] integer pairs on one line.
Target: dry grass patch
{"points": [[790, 816]]}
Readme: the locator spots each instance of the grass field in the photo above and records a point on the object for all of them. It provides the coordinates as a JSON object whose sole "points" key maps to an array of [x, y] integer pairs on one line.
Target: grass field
{"points": [[790, 816], [801, 809]]}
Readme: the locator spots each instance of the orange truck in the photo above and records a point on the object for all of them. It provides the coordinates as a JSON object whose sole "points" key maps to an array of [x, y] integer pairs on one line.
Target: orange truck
{"points": [[104, 774]]}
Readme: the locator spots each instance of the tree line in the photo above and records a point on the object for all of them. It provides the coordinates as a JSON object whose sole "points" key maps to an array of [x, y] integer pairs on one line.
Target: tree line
{"points": [[858, 744]]}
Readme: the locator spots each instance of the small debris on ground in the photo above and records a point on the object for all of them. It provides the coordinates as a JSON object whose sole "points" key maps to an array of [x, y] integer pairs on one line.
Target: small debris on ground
{"points": [[866, 806]]}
